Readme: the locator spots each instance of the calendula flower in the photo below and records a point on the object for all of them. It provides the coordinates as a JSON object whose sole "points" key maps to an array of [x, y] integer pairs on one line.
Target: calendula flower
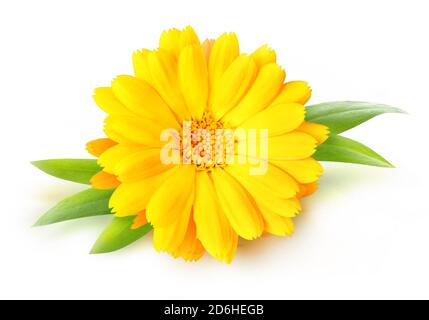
{"points": [[206, 203]]}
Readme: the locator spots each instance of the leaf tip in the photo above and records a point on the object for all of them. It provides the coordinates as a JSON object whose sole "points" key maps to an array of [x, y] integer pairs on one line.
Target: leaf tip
{"points": [[39, 223], [390, 165], [37, 163], [94, 249], [399, 110], [386, 164], [97, 250]]}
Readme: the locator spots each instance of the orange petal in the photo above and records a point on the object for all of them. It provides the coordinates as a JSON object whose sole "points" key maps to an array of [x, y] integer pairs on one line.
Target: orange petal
{"points": [[104, 181], [207, 48], [307, 189], [140, 220], [98, 146]]}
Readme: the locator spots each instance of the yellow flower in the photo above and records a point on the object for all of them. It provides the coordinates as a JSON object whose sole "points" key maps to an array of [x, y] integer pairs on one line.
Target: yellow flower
{"points": [[205, 206]]}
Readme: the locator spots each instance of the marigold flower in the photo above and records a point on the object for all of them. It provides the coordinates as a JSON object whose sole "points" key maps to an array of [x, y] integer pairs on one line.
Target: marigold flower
{"points": [[206, 205]]}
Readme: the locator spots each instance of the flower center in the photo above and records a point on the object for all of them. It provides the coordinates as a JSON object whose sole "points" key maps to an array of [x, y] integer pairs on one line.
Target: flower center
{"points": [[207, 144]]}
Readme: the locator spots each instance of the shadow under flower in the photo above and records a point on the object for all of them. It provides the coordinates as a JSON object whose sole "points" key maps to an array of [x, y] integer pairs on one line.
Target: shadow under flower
{"points": [[337, 180]]}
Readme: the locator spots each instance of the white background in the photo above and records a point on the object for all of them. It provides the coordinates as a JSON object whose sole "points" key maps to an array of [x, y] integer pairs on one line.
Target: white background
{"points": [[364, 235]]}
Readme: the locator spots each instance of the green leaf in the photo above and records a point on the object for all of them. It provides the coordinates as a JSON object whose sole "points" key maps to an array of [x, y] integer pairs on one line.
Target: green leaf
{"points": [[341, 149], [90, 202], [76, 170], [341, 116], [118, 234]]}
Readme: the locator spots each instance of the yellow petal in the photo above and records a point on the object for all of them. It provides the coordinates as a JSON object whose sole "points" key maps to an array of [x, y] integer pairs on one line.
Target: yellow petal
{"points": [[111, 158], [116, 136], [136, 130], [139, 221], [188, 36], [287, 208], [170, 238], [318, 131], [278, 119], [213, 228], [265, 199], [98, 146], [224, 51], [107, 101], [104, 181], [141, 65], [233, 85], [239, 207], [193, 79], [275, 181], [141, 165], [291, 146], [174, 40], [277, 225], [260, 95], [288, 146], [264, 55], [130, 198], [139, 97], [191, 248], [164, 78], [170, 41], [304, 171], [294, 91], [174, 196]]}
